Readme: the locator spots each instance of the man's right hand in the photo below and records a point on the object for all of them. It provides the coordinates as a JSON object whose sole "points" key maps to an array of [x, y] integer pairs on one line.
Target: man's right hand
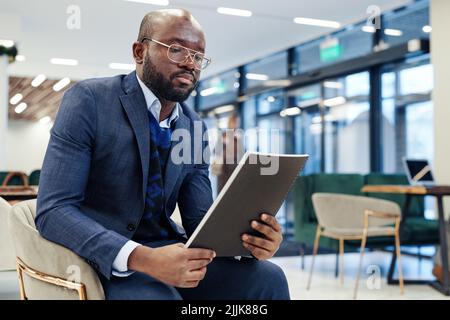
{"points": [[174, 264]]}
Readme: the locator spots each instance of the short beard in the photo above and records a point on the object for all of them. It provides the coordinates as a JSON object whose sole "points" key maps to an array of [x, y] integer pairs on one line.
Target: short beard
{"points": [[162, 87]]}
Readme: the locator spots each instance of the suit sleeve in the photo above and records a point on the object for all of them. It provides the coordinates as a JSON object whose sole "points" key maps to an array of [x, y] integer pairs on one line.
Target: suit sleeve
{"points": [[195, 195], [63, 180]]}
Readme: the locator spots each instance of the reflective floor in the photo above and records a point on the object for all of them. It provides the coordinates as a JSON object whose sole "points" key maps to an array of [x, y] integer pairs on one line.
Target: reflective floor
{"points": [[324, 284], [373, 284]]}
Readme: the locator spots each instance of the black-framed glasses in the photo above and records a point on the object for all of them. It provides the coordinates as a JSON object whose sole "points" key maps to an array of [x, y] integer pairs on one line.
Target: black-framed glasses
{"points": [[179, 54]]}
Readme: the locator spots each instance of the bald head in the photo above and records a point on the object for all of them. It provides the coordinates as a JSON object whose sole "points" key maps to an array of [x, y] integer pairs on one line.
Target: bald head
{"points": [[169, 79], [158, 19]]}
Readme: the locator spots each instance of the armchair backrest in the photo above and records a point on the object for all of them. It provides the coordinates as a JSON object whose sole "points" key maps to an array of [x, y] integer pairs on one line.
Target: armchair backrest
{"points": [[13, 178], [347, 211], [7, 255], [49, 259]]}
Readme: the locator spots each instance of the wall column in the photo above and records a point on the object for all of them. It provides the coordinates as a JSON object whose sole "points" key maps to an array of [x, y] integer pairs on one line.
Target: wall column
{"points": [[440, 49], [4, 84]]}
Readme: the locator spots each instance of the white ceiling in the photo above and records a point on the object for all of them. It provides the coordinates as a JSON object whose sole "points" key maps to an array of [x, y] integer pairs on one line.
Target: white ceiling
{"points": [[109, 27]]}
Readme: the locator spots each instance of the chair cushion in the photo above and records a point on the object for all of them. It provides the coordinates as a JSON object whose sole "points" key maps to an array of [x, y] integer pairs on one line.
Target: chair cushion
{"points": [[372, 232]]}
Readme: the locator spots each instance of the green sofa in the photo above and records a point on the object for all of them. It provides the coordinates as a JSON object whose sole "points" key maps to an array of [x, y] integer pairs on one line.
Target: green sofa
{"points": [[416, 231]]}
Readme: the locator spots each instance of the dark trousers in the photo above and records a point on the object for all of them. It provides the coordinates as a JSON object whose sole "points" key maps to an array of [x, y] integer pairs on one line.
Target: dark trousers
{"points": [[226, 278]]}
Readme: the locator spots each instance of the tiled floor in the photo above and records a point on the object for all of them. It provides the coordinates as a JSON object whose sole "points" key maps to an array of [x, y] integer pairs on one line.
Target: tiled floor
{"points": [[324, 284]]}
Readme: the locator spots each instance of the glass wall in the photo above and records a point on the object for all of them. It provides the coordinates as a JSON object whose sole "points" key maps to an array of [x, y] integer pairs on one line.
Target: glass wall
{"points": [[270, 68], [221, 89], [348, 43], [346, 103], [332, 121], [308, 126], [408, 23], [407, 122]]}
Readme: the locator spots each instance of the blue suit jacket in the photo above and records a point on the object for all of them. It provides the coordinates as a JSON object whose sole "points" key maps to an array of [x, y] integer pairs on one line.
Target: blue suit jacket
{"points": [[93, 180]]}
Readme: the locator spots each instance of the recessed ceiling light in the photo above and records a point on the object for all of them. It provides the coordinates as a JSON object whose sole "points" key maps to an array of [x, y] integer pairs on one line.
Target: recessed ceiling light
{"points": [[122, 66], [234, 12], [208, 91], [45, 120], [271, 99], [369, 29], [277, 83], [393, 32], [16, 99], [309, 103], [65, 62], [427, 29], [332, 84], [317, 22], [20, 58], [61, 84], [257, 76], [334, 101], [223, 109], [21, 107], [293, 111], [38, 80], [155, 2], [6, 43]]}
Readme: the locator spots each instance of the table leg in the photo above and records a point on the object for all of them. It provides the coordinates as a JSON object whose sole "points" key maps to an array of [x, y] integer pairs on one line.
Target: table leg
{"points": [[405, 209], [444, 287]]}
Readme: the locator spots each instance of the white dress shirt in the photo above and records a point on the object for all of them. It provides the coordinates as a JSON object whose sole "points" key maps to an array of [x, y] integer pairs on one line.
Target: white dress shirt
{"points": [[120, 264]]}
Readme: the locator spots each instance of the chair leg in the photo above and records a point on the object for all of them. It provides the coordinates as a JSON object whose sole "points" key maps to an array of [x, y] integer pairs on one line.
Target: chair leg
{"points": [[302, 255], [21, 284], [336, 265], [363, 248], [341, 257], [316, 248], [399, 262]]}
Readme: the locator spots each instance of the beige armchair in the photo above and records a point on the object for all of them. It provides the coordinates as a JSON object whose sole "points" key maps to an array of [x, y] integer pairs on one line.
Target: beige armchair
{"points": [[346, 217], [7, 255], [45, 269]]}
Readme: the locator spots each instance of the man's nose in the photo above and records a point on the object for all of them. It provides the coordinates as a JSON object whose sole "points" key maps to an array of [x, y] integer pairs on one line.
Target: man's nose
{"points": [[189, 63]]}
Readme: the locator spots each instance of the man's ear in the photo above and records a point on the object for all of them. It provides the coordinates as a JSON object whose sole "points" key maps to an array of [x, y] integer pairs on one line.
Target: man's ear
{"points": [[138, 52]]}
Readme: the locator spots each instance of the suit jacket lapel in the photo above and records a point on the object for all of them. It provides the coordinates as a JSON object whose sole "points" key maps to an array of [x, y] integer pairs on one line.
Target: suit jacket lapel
{"points": [[135, 107]]}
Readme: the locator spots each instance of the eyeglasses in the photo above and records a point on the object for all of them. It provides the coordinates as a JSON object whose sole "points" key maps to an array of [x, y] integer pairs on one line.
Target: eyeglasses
{"points": [[180, 54]]}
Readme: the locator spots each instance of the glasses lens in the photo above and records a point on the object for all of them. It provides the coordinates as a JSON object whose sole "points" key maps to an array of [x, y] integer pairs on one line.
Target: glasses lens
{"points": [[200, 61], [177, 53]]}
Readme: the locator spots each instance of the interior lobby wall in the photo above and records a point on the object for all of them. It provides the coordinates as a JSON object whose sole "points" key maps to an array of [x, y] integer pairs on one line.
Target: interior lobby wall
{"points": [[26, 145], [440, 48]]}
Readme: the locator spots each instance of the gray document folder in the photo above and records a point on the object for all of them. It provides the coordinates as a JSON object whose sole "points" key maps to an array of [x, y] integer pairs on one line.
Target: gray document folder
{"points": [[260, 183]]}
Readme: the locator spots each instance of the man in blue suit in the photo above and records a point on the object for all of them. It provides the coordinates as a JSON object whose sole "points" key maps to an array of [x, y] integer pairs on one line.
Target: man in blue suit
{"points": [[109, 182]]}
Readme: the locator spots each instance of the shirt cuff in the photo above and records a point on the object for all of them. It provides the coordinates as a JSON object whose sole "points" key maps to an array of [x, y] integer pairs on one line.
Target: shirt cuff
{"points": [[120, 264]]}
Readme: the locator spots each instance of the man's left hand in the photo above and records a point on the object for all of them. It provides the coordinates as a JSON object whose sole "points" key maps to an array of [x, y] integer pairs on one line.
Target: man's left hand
{"points": [[264, 247]]}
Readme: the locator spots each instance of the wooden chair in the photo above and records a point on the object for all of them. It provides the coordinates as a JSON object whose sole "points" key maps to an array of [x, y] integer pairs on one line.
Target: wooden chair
{"points": [[347, 217]]}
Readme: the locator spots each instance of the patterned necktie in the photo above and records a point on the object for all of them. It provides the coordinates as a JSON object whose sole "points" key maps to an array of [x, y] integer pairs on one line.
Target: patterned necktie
{"points": [[154, 225]]}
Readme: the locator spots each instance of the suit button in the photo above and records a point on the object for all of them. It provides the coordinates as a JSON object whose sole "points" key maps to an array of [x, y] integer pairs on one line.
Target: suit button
{"points": [[131, 227]]}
